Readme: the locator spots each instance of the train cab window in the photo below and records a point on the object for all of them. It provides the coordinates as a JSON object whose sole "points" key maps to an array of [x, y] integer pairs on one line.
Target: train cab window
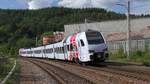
{"points": [[82, 43], [94, 37]]}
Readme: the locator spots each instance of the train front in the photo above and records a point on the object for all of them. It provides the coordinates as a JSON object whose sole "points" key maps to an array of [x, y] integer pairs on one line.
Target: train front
{"points": [[97, 46]]}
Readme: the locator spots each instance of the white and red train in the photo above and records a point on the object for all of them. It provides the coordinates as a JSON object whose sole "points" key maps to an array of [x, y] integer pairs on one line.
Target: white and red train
{"points": [[88, 46]]}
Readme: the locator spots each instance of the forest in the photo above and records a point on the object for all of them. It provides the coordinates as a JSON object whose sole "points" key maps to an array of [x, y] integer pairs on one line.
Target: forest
{"points": [[19, 28]]}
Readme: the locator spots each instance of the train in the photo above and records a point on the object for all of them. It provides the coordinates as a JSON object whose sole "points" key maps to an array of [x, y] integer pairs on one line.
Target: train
{"points": [[82, 47]]}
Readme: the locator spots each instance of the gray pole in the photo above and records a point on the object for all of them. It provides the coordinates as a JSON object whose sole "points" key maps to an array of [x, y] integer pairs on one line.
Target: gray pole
{"points": [[86, 23], [36, 41], [128, 31]]}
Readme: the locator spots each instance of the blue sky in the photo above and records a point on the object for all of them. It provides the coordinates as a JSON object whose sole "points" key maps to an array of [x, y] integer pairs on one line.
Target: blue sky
{"points": [[13, 4], [137, 6]]}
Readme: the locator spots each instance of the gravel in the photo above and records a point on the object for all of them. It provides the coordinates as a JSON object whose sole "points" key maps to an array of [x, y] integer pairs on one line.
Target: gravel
{"points": [[31, 74]]}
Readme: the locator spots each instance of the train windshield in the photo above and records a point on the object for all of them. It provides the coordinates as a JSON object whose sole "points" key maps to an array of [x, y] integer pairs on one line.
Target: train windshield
{"points": [[94, 37]]}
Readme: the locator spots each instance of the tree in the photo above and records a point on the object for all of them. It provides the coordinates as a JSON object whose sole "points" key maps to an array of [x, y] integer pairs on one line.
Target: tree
{"points": [[25, 42]]}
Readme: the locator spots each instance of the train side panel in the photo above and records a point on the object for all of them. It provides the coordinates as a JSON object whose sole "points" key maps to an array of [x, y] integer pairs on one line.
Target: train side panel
{"points": [[85, 47], [59, 54], [49, 51]]}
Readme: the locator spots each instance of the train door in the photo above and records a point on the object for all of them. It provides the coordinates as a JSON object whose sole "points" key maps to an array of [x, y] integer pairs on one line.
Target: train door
{"points": [[81, 49], [65, 51]]}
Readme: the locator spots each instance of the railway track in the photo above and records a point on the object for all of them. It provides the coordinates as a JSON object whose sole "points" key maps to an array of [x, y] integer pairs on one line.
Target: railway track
{"points": [[130, 76], [61, 75], [133, 68], [32, 74], [138, 75]]}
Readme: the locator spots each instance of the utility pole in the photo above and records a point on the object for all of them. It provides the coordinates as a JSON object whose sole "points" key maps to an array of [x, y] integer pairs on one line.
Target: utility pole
{"points": [[85, 20], [128, 44], [128, 31], [86, 23], [36, 41]]}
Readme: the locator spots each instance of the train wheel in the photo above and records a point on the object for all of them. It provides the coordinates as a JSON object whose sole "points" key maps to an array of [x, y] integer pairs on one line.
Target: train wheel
{"points": [[93, 63], [83, 64], [73, 60], [103, 60], [77, 61]]}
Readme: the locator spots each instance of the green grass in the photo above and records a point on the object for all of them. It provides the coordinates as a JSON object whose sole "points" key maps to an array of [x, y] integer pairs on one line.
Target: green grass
{"points": [[14, 79], [5, 67], [136, 57]]}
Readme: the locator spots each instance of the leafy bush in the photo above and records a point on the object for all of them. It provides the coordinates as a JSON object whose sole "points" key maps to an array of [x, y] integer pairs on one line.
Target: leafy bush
{"points": [[146, 62], [5, 66]]}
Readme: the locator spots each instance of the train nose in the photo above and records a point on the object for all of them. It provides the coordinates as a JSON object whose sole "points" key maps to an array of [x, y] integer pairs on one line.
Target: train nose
{"points": [[99, 57]]}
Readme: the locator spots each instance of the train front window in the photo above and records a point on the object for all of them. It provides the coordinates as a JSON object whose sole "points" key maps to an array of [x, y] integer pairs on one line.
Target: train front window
{"points": [[94, 37]]}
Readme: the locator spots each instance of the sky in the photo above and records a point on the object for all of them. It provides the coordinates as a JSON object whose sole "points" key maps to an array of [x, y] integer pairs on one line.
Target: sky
{"points": [[137, 6]]}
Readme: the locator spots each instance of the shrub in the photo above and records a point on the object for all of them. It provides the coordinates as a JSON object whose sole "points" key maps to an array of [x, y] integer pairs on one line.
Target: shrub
{"points": [[146, 63], [118, 55]]}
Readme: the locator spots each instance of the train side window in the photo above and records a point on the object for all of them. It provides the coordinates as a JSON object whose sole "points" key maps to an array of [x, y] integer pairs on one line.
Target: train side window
{"points": [[63, 49], [59, 49], [68, 47], [44, 51], [78, 43], [71, 47], [51, 50], [55, 50], [82, 43]]}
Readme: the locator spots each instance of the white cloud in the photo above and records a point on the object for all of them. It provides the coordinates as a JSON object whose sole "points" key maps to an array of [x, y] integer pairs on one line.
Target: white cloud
{"points": [[140, 7], [107, 4], [87, 3], [37, 4], [143, 5], [75, 3]]}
